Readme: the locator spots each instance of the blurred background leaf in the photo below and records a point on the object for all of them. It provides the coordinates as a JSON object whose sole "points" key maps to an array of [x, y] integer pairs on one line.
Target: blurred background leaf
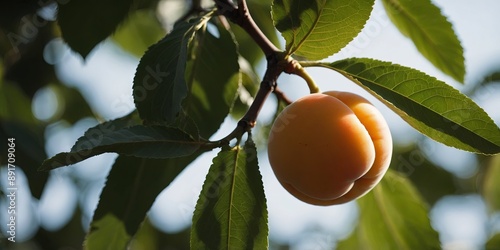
{"points": [[15, 105], [149, 237], [431, 32], [491, 187], [493, 243], [84, 24], [141, 30], [131, 188], [392, 216], [431, 181]]}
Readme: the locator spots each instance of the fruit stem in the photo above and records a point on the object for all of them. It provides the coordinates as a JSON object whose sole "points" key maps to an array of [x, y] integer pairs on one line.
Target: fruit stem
{"points": [[310, 64], [294, 67], [313, 88]]}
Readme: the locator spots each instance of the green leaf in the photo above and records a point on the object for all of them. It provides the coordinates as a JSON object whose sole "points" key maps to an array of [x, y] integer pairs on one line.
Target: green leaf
{"points": [[250, 83], [493, 243], [213, 78], [231, 211], [392, 216], [115, 236], [140, 141], [492, 77], [491, 189], [429, 105], [85, 23], [431, 181], [139, 31], [131, 188], [159, 82], [431, 33], [149, 237], [316, 29], [14, 104]]}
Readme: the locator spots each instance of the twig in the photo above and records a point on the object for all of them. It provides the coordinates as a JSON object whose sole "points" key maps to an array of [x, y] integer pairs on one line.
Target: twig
{"points": [[276, 63], [267, 85], [241, 16], [281, 96]]}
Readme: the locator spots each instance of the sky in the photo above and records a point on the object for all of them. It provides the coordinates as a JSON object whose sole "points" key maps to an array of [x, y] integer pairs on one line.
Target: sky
{"points": [[106, 80]]}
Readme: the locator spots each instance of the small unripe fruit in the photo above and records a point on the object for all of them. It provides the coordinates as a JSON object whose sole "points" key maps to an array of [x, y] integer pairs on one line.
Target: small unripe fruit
{"points": [[329, 148]]}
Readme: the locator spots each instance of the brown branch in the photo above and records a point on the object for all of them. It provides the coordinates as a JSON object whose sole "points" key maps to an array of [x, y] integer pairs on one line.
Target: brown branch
{"points": [[241, 16], [281, 96], [276, 63], [267, 86]]}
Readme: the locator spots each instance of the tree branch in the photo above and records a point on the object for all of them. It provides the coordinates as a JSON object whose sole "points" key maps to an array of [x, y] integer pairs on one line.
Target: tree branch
{"points": [[281, 96], [241, 16], [276, 63], [268, 85]]}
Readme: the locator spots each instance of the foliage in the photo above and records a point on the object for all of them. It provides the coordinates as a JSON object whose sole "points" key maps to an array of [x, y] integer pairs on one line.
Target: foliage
{"points": [[393, 216], [231, 211], [317, 29], [203, 71], [432, 34]]}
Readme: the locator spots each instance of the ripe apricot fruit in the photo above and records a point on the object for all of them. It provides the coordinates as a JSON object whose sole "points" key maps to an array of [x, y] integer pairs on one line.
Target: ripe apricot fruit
{"points": [[329, 148]]}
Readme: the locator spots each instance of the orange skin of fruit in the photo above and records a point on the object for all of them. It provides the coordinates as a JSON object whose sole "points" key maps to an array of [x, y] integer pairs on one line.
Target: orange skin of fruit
{"points": [[329, 148]]}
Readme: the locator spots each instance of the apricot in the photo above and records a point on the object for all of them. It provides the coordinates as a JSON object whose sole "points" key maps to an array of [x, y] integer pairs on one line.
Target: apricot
{"points": [[329, 148]]}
